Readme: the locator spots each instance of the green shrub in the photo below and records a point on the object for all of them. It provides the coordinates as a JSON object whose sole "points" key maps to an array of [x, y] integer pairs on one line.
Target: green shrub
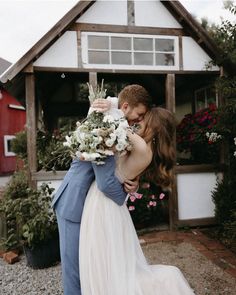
{"points": [[17, 187], [28, 214], [51, 153], [224, 195], [149, 206]]}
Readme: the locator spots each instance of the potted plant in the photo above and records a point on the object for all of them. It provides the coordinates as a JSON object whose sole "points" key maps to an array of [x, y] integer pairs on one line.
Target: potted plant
{"points": [[33, 224]]}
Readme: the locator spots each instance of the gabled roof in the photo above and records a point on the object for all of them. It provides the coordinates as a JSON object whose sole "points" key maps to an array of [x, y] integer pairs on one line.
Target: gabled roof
{"points": [[51, 36], [190, 25], [4, 64]]}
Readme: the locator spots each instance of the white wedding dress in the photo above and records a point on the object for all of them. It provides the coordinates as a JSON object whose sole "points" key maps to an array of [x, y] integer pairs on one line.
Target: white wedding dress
{"points": [[111, 258]]}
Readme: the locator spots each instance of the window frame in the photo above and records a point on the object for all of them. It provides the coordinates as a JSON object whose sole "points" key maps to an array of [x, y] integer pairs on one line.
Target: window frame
{"points": [[8, 153], [205, 97], [85, 51]]}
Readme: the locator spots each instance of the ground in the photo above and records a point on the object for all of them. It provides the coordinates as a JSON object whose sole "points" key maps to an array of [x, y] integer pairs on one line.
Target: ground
{"points": [[208, 266]]}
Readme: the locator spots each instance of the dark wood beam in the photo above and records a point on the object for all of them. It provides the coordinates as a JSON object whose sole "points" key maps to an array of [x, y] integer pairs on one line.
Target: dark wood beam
{"points": [[127, 29], [31, 125], [128, 71], [170, 92]]}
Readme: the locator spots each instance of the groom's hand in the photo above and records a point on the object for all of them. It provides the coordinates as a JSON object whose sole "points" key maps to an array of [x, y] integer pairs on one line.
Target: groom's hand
{"points": [[101, 105], [131, 186]]}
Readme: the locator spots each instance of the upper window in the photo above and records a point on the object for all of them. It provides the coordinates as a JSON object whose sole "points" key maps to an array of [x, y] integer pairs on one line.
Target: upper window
{"points": [[109, 50]]}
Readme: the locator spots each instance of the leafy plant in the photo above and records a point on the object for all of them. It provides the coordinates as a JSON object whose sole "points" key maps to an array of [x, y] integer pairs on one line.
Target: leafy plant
{"points": [[224, 195], [191, 136], [149, 206], [51, 153], [29, 217], [17, 188]]}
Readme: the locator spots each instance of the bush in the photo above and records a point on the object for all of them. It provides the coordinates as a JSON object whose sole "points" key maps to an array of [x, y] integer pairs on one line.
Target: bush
{"points": [[17, 188], [149, 206], [224, 195], [51, 153], [191, 136], [28, 214]]}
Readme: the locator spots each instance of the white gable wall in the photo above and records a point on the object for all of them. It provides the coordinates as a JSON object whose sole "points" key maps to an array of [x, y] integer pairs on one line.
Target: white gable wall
{"points": [[194, 57], [154, 14], [147, 13], [63, 53], [106, 12]]}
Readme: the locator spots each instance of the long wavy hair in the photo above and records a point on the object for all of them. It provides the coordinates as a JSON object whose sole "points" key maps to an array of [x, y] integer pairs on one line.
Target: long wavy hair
{"points": [[160, 131]]}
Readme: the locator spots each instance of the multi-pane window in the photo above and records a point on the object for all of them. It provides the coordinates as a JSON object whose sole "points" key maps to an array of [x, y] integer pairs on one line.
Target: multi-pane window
{"points": [[126, 50]]}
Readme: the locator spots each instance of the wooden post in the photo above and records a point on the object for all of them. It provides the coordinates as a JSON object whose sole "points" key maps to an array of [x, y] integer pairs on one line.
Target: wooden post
{"points": [[130, 13], [224, 149], [170, 92], [170, 105], [31, 125], [181, 65]]}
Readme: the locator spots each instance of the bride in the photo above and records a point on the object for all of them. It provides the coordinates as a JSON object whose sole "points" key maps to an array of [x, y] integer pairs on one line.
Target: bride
{"points": [[110, 256]]}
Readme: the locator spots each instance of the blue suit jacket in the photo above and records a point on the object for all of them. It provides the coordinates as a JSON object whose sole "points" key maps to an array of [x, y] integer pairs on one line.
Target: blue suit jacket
{"points": [[69, 198]]}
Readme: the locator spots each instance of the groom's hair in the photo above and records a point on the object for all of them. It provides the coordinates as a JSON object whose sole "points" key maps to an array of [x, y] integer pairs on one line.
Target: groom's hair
{"points": [[134, 94]]}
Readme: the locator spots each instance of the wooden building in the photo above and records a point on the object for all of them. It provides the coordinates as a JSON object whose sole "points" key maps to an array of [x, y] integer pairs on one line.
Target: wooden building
{"points": [[157, 44], [12, 120]]}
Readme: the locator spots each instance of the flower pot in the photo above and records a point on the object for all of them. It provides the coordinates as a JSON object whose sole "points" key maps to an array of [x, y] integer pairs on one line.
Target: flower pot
{"points": [[43, 255]]}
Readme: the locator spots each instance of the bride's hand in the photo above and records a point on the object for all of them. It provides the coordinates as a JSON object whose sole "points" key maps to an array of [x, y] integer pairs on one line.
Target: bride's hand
{"points": [[131, 186]]}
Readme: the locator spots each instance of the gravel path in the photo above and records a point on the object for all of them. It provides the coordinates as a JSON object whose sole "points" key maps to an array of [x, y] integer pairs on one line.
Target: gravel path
{"points": [[205, 277]]}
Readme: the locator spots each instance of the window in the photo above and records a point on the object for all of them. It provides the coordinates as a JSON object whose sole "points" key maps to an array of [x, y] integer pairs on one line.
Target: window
{"points": [[110, 50], [7, 145], [205, 97]]}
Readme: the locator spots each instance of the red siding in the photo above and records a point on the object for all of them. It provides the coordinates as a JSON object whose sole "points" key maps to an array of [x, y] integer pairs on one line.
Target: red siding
{"points": [[11, 122]]}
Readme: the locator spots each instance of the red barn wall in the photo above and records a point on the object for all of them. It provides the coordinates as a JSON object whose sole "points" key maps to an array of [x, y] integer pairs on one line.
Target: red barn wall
{"points": [[11, 121]]}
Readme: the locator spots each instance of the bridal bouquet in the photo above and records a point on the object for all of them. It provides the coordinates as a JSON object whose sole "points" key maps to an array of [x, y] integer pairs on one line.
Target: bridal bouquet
{"points": [[99, 135]]}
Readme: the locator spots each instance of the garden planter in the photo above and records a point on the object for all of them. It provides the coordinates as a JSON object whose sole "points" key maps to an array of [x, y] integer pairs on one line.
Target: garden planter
{"points": [[43, 255]]}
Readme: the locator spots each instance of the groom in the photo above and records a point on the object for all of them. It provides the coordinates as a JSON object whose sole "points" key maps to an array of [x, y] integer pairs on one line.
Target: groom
{"points": [[68, 201]]}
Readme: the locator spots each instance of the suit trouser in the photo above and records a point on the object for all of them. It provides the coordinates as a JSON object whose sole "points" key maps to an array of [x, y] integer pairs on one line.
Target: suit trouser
{"points": [[69, 249]]}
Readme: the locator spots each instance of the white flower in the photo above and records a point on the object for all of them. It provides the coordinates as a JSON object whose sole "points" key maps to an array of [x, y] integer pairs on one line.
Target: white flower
{"points": [[213, 136], [108, 119], [90, 156], [68, 141], [108, 153]]}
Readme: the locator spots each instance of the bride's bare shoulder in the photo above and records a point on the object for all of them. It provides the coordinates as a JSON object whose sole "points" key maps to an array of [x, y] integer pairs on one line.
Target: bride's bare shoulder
{"points": [[139, 144]]}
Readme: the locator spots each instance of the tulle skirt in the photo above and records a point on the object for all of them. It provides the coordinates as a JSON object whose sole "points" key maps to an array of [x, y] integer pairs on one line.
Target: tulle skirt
{"points": [[111, 258]]}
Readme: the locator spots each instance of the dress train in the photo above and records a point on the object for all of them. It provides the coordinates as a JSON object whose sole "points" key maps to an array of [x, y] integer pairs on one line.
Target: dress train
{"points": [[111, 258]]}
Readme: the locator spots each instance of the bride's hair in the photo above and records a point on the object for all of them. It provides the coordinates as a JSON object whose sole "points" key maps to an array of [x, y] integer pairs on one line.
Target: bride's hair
{"points": [[160, 130]]}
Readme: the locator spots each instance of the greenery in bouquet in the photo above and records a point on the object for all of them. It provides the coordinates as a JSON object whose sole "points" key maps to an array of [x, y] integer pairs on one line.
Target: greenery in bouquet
{"points": [[195, 134], [149, 206]]}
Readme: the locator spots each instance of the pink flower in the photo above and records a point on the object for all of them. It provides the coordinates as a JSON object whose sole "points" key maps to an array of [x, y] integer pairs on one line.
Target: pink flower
{"points": [[132, 198], [131, 208], [151, 203], [145, 185], [154, 204], [148, 206], [138, 196], [162, 196], [153, 197]]}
